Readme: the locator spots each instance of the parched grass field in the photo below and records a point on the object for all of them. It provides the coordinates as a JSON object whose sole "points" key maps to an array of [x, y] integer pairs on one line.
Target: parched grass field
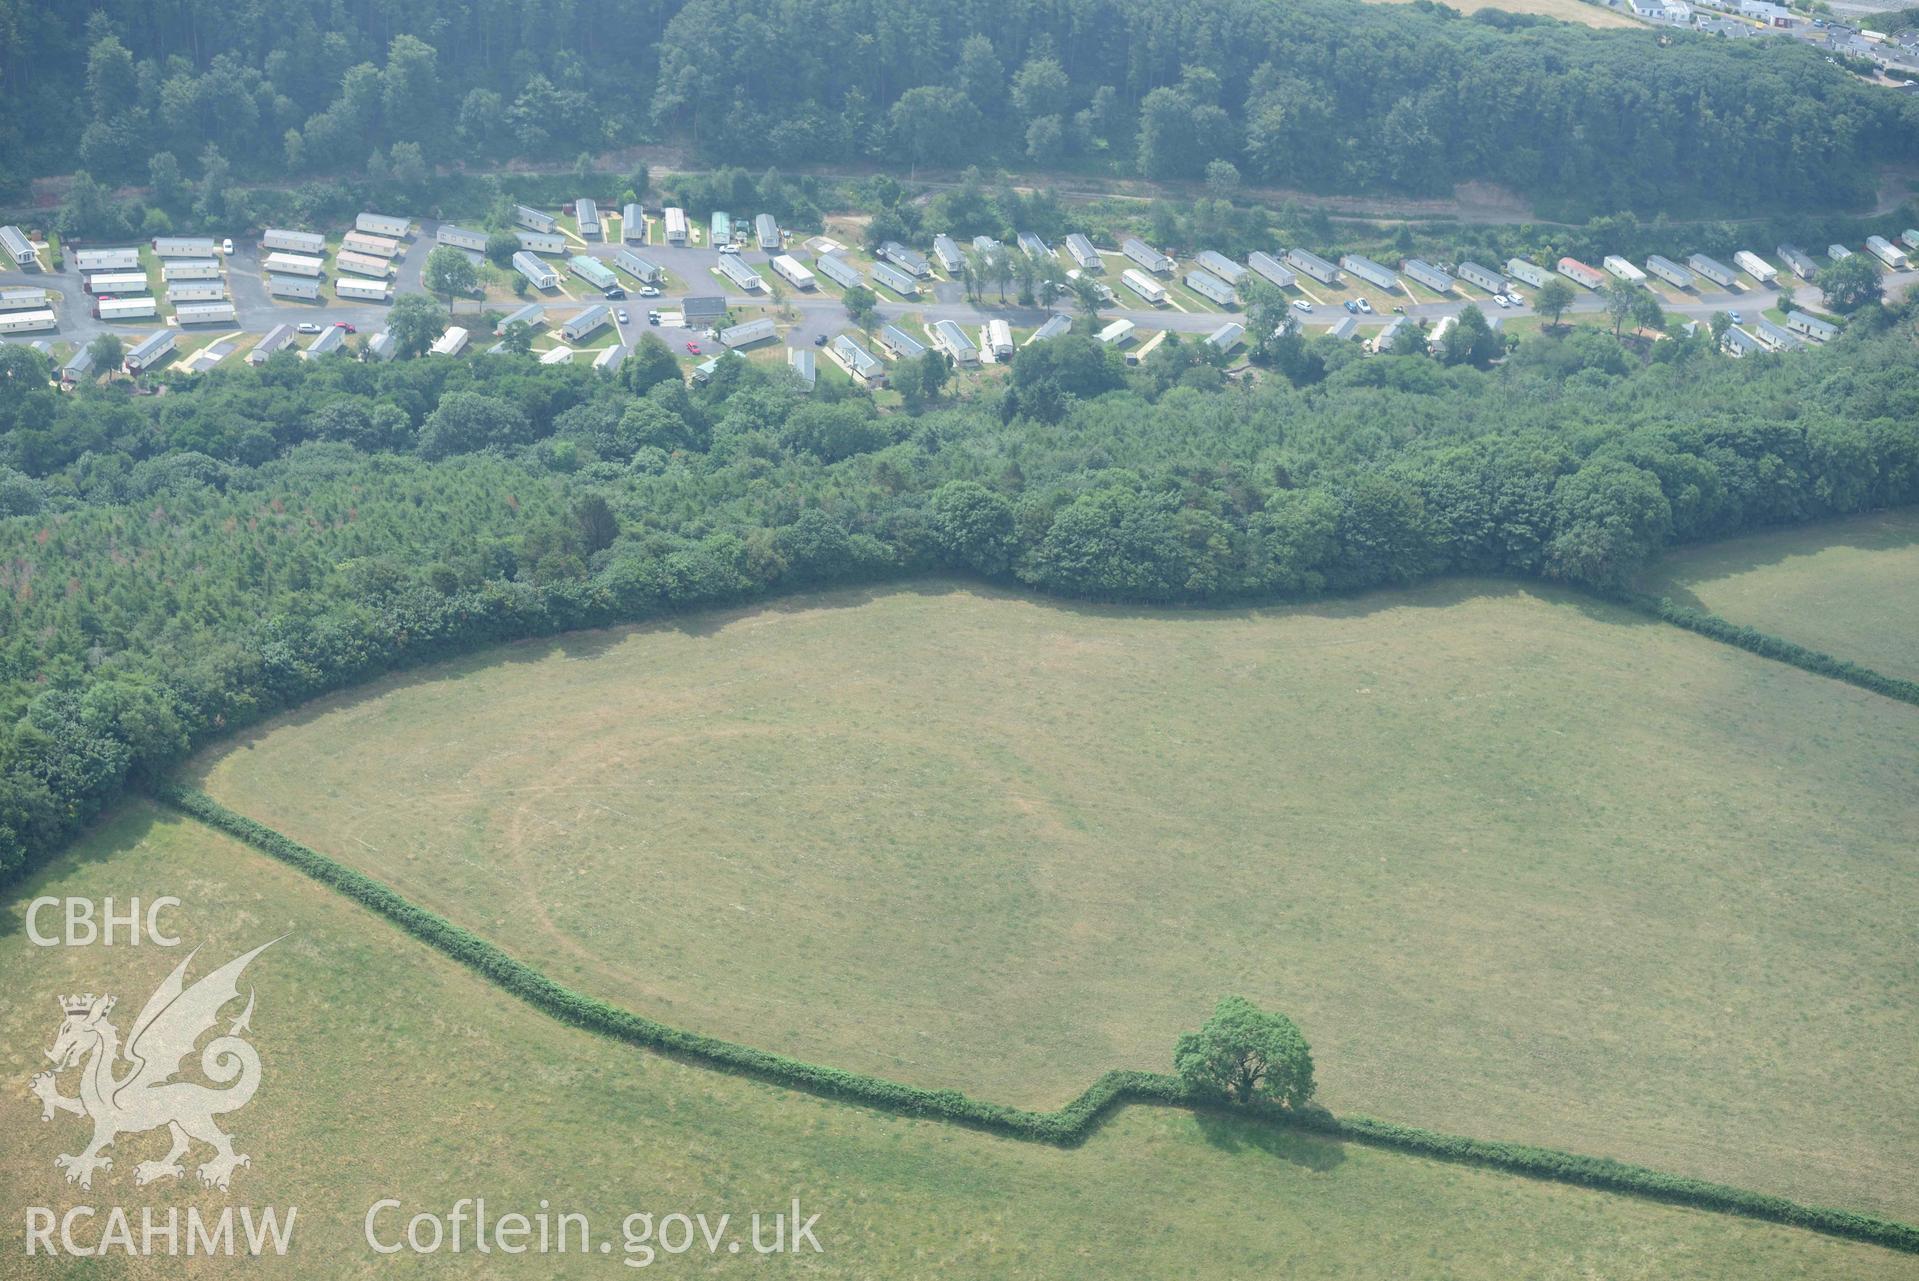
{"points": [[1848, 587], [1579, 11], [391, 1072], [1523, 866]]}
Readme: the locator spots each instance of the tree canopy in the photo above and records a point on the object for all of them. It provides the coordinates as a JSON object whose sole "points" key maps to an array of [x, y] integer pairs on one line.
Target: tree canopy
{"points": [[1248, 1055]]}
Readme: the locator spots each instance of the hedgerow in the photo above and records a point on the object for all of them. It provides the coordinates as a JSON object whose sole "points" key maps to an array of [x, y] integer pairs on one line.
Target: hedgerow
{"points": [[1069, 1125]]}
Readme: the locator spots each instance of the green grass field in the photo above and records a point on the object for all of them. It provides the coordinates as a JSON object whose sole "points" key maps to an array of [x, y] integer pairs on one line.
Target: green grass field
{"points": [[1522, 866], [391, 1072], [1849, 587]]}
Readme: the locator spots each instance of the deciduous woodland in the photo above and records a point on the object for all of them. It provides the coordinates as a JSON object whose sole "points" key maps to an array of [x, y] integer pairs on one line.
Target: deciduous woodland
{"points": [[1314, 94], [174, 566]]}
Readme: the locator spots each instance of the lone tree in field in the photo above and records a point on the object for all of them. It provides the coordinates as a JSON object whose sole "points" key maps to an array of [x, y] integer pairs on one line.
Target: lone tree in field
{"points": [[1246, 1053]]}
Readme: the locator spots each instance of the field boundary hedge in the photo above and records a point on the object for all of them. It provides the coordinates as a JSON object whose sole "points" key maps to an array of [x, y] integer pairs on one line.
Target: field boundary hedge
{"points": [[1068, 1126], [1766, 645]]}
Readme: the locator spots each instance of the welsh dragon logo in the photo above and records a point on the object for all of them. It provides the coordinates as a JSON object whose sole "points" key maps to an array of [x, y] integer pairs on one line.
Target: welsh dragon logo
{"points": [[133, 1091]]}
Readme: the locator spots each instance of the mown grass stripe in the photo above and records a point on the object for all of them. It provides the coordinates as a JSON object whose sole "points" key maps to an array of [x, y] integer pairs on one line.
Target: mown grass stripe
{"points": [[1068, 1126]]}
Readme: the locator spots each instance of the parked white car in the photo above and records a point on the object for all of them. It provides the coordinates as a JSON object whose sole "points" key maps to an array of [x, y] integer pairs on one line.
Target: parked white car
{"points": [[226, 246], [1300, 304]]}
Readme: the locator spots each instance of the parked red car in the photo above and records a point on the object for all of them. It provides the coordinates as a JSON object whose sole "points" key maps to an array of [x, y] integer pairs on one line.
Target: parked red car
{"points": [[693, 349], [341, 324]]}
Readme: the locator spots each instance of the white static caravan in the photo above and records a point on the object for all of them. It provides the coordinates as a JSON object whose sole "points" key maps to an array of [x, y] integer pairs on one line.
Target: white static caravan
{"points": [[953, 341], [587, 214], [362, 264], [587, 323], [205, 313], [1887, 252], [294, 264], [125, 309], [542, 242], [752, 331], [1207, 285], [1577, 272], [947, 250], [1383, 340], [907, 260], [999, 335], [1428, 275], [1910, 238], [149, 351], [1313, 265], [805, 368], [534, 219], [460, 238], [1082, 252], [1711, 269], [1439, 331], [330, 339], [735, 270], [374, 224], [1755, 266], [1033, 247], [91, 260], [766, 230], [611, 359], [1798, 261], [278, 337], [533, 316], [116, 282], [1838, 252], [363, 290], [675, 220], [27, 322], [839, 271], [450, 343], [189, 269], [640, 267], [1738, 343], [1221, 266], [299, 242], [896, 280], [633, 225], [196, 291], [19, 248], [1484, 277], [1055, 327], [1774, 336], [382, 346], [538, 274], [1146, 256], [183, 247], [360, 242], [20, 298], [1144, 285], [789, 269], [1623, 268], [1272, 269], [1525, 272], [1226, 337], [857, 361], [1670, 272], [898, 344], [1345, 327], [293, 286], [1371, 272], [1811, 326], [1117, 334]]}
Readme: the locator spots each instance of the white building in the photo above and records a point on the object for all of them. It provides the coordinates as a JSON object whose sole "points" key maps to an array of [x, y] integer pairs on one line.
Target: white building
{"points": [[633, 225], [460, 238], [22, 298], [898, 344], [1272, 269], [542, 242], [865, 367], [1521, 270], [537, 272], [735, 269], [947, 250], [1798, 261], [195, 291], [912, 263], [362, 290], [299, 242], [533, 316], [1146, 256], [293, 286], [125, 308], [1670, 272], [383, 225], [587, 214], [800, 361], [1484, 277], [1838, 252], [1755, 266], [1887, 252], [450, 343], [1579, 273], [1033, 247], [330, 339], [534, 219], [382, 347], [1428, 275], [1082, 252], [28, 322], [1221, 266], [1144, 285], [1313, 265], [1056, 326], [1623, 268], [951, 339], [999, 336], [116, 282], [20, 249], [753, 331], [1371, 272], [149, 351], [1811, 326], [675, 220], [587, 323], [1712, 269], [190, 269], [641, 268], [183, 247], [839, 271], [361, 242], [91, 260], [766, 230], [362, 264], [278, 337], [895, 279], [294, 264], [1209, 286], [790, 270], [1226, 337], [1774, 336], [1117, 334], [1738, 343], [1344, 328]]}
